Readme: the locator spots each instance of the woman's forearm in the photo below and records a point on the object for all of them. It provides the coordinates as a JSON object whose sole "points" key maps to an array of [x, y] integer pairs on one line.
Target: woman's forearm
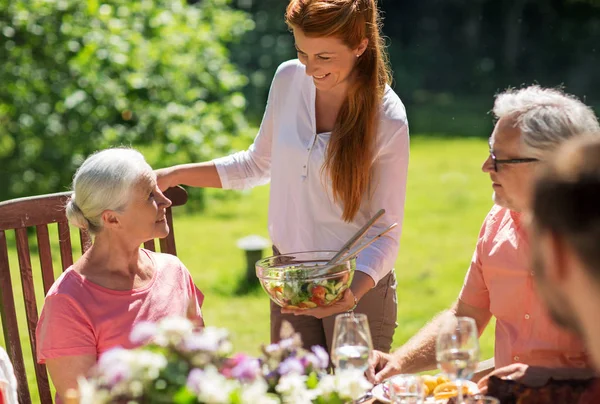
{"points": [[202, 175], [361, 284]]}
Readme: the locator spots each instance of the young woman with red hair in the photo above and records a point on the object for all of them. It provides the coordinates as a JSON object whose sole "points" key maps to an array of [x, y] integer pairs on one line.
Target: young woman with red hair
{"points": [[334, 145]]}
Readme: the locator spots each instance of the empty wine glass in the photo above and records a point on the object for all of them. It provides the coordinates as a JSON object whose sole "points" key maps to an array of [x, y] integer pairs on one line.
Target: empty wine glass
{"points": [[457, 350], [405, 389], [351, 346]]}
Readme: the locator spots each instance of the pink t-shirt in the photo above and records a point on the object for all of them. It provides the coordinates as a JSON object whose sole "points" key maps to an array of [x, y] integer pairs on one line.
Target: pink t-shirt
{"points": [[500, 279], [83, 318]]}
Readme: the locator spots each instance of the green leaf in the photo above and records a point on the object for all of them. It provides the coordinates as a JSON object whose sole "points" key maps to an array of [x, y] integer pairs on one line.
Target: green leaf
{"points": [[92, 7], [184, 396], [313, 381]]}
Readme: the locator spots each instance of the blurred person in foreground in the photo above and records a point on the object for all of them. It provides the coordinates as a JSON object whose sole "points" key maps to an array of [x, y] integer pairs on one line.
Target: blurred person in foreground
{"points": [[565, 244], [532, 123], [8, 381], [115, 285], [333, 143]]}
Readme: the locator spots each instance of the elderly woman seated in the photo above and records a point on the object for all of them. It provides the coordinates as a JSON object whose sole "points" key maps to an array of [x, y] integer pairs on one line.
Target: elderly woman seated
{"points": [[95, 303]]}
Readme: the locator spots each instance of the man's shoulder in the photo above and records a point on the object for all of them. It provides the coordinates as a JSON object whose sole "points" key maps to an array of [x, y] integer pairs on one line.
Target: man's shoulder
{"points": [[497, 216], [497, 222]]}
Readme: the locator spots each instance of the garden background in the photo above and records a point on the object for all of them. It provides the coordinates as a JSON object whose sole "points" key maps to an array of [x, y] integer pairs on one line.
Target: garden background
{"points": [[188, 82]]}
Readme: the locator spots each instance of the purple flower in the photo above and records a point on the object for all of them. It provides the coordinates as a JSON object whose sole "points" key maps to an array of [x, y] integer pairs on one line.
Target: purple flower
{"points": [[113, 366], [291, 365], [246, 369], [287, 343], [322, 356], [120, 372], [194, 379], [310, 360]]}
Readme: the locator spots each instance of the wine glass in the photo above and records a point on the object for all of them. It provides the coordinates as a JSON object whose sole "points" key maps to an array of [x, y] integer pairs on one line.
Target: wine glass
{"points": [[351, 346], [457, 350], [405, 389]]}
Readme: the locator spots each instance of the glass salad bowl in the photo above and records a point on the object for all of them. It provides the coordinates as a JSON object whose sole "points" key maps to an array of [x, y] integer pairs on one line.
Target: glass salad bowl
{"points": [[303, 280]]}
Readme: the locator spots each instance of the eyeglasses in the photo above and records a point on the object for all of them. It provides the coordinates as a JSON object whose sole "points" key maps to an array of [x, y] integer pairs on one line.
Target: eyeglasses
{"points": [[509, 161]]}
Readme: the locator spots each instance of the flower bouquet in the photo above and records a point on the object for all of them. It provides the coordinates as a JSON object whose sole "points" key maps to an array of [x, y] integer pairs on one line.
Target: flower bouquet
{"points": [[178, 364]]}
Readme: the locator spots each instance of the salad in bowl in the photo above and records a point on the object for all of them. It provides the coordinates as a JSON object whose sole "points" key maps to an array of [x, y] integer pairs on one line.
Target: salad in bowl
{"points": [[304, 280]]}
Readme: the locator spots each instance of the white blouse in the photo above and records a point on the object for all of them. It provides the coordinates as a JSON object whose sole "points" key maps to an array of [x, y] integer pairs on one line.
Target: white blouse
{"points": [[290, 154]]}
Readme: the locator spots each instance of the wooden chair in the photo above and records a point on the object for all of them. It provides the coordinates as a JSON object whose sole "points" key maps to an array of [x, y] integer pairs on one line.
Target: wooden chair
{"points": [[39, 212]]}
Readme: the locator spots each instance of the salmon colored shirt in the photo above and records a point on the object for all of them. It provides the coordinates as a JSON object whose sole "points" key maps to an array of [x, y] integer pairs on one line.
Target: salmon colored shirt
{"points": [[82, 318], [500, 279]]}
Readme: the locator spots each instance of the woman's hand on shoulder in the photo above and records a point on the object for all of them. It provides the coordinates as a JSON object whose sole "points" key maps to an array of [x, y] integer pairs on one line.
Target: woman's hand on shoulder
{"points": [[164, 178]]}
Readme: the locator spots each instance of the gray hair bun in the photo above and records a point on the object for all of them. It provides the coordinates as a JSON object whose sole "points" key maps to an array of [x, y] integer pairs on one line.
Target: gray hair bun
{"points": [[75, 215]]}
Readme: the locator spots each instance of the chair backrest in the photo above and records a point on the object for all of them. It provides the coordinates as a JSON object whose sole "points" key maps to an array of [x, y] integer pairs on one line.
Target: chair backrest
{"points": [[39, 212]]}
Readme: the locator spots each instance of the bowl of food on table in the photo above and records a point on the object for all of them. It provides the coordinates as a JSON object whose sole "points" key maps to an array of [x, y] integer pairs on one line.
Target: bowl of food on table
{"points": [[305, 280], [436, 389]]}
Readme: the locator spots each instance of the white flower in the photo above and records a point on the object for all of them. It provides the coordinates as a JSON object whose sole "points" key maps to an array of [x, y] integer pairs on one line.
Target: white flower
{"points": [[148, 364], [211, 339], [293, 389], [351, 384], [89, 394], [225, 348], [290, 383], [111, 358], [256, 393], [211, 386], [327, 385], [142, 332], [114, 366], [125, 371], [272, 348], [171, 330]]}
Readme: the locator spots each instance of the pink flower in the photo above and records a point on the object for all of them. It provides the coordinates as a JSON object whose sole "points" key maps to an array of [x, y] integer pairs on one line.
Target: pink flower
{"points": [[247, 370], [242, 367]]}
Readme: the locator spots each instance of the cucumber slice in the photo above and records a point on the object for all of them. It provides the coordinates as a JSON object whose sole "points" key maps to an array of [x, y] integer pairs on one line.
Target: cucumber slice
{"points": [[329, 297]]}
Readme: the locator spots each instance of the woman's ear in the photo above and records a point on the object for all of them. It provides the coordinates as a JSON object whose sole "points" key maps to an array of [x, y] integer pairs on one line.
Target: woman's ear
{"points": [[110, 219], [362, 47]]}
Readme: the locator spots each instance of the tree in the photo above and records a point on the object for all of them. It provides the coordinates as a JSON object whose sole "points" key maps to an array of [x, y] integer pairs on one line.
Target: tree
{"points": [[82, 75], [450, 57]]}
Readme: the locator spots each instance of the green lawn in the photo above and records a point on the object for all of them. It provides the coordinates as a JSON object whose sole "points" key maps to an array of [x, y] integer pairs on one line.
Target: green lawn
{"points": [[448, 197]]}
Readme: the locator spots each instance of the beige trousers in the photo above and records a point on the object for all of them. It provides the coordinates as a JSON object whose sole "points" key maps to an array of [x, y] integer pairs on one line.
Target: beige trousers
{"points": [[380, 305]]}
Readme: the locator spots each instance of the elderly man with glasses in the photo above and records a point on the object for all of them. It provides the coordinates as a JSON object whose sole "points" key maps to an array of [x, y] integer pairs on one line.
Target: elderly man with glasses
{"points": [[532, 122]]}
